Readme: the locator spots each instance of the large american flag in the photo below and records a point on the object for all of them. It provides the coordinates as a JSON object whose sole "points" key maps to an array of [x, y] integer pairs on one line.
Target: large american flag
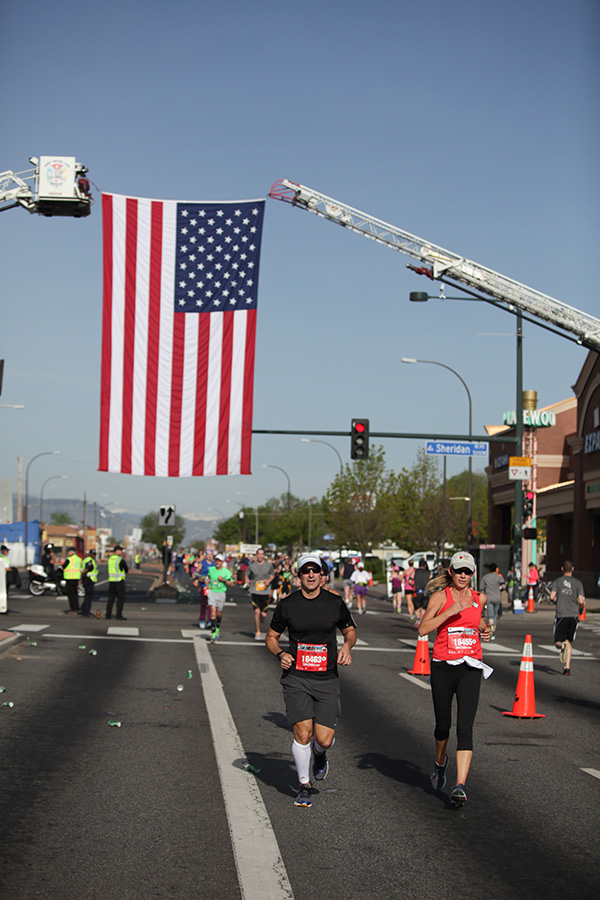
{"points": [[178, 334]]}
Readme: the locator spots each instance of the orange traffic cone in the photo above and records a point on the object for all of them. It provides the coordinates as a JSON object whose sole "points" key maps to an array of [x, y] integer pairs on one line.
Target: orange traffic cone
{"points": [[421, 663], [524, 705], [583, 614], [530, 600]]}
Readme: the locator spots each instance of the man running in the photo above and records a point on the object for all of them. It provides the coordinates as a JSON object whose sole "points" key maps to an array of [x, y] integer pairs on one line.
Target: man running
{"points": [[259, 576], [219, 576], [570, 601], [310, 680]]}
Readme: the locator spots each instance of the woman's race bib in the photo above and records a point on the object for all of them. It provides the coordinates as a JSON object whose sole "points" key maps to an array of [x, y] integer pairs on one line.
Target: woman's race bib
{"points": [[462, 640], [311, 658]]}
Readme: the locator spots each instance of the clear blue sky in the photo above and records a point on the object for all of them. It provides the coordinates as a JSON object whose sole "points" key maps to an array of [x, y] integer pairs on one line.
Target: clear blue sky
{"points": [[472, 124]]}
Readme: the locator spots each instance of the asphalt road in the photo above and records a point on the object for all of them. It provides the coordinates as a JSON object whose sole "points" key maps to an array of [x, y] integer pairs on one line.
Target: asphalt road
{"points": [[161, 807]]}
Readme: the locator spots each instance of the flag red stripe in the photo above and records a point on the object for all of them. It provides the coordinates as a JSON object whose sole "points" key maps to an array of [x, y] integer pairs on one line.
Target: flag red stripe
{"points": [[225, 395], [156, 224], [107, 278], [201, 381], [131, 230], [176, 393], [248, 393]]}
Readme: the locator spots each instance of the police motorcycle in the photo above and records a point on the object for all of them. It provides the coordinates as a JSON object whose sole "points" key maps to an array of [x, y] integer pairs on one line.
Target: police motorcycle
{"points": [[40, 581]]}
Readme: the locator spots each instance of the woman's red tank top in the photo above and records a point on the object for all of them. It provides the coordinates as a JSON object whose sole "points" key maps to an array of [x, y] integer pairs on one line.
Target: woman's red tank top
{"points": [[459, 635]]}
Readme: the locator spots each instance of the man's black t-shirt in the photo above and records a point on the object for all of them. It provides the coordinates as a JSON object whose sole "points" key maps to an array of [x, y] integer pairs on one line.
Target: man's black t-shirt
{"points": [[313, 622], [422, 576]]}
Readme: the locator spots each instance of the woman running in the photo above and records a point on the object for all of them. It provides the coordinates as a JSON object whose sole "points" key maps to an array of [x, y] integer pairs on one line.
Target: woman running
{"points": [[456, 612]]}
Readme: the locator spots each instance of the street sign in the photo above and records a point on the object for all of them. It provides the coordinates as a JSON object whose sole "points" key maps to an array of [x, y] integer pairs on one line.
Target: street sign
{"points": [[519, 461], [519, 473], [166, 515], [458, 448]]}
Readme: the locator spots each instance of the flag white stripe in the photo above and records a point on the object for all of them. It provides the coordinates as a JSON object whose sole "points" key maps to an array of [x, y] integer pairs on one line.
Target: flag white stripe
{"points": [[142, 287], [213, 393], [236, 404], [188, 398], [163, 400], [117, 336]]}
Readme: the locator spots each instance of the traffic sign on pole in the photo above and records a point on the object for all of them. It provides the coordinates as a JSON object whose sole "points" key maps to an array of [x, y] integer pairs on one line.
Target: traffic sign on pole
{"points": [[166, 515]]}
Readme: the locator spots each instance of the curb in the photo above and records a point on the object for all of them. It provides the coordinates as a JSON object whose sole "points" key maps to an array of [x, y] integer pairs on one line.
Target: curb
{"points": [[10, 639]]}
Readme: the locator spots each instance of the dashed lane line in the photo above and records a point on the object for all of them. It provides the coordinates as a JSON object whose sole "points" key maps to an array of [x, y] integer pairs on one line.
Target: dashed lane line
{"points": [[413, 680], [260, 867], [594, 772]]}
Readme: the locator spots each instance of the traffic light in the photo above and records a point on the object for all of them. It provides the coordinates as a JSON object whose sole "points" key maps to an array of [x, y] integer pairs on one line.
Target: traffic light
{"points": [[528, 505], [359, 439]]}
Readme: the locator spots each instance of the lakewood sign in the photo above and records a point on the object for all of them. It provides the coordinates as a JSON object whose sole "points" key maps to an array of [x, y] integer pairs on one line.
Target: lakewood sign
{"points": [[533, 418]]}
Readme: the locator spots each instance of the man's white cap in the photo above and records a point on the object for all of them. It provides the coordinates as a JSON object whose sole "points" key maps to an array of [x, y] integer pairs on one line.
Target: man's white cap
{"points": [[308, 558], [218, 556], [462, 560]]}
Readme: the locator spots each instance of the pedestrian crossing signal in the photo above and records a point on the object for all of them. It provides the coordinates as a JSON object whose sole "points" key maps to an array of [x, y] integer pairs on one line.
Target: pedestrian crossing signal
{"points": [[359, 439]]}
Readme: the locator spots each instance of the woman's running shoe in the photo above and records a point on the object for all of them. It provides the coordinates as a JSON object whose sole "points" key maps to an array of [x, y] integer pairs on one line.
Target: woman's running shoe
{"points": [[438, 776], [304, 796], [458, 796]]}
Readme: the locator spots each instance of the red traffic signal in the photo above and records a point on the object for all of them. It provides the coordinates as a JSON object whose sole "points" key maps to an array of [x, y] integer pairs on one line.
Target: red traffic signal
{"points": [[359, 439]]}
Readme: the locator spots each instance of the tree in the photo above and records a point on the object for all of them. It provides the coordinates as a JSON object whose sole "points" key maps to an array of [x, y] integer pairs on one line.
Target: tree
{"points": [[417, 506], [153, 533], [60, 518], [358, 505]]}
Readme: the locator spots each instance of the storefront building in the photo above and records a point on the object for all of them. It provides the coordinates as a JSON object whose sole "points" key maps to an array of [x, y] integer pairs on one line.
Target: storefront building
{"points": [[564, 444]]}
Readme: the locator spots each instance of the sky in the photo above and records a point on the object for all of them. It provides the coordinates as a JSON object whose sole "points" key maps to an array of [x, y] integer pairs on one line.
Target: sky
{"points": [[472, 124]]}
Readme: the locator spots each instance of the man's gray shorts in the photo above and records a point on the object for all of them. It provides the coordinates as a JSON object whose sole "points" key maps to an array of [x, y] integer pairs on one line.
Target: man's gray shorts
{"points": [[216, 598], [312, 698]]}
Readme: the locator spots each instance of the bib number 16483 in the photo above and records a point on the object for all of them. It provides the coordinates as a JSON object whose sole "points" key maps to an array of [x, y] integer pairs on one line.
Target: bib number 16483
{"points": [[311, 658]]}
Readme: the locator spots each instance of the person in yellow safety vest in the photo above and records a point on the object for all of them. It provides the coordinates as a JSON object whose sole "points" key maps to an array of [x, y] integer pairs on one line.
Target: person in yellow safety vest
{"points": [[90, 577], [117, 570], [72, 571], [138, 560]]}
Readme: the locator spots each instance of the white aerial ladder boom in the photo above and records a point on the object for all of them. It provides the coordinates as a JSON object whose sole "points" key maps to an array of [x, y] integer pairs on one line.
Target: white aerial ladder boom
{"points": [[59, 188], [443, 265]]}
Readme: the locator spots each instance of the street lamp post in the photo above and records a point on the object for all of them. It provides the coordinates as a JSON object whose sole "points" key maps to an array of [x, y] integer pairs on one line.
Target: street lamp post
{"points": [[517, 533], [327, 444], [52, 477], [289, 490], [432, 362], [310, 503], [241, 494], [26, 517]]}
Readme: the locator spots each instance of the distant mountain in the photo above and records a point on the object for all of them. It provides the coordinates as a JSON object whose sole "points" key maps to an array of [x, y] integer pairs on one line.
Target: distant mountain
{"points": [[120, 521]]}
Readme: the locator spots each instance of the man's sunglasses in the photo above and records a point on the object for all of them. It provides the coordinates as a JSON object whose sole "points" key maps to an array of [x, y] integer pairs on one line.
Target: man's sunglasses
{"points": [[462, 571], [306, 569]]}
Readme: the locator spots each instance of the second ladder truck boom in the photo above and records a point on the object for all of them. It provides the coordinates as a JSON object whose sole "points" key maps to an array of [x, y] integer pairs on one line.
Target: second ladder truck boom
{"points": [[444, 265]]}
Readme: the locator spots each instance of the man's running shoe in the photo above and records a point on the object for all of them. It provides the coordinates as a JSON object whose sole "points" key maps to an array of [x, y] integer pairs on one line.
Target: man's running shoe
{"points": [[304, 796], [320, 766], [438, 776], [215, 635], [566, 671], [258, 636], [458, 796]]}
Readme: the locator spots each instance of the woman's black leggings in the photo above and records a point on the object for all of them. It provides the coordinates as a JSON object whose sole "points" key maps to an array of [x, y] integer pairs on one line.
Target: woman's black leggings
{"points": [[464, 681]]}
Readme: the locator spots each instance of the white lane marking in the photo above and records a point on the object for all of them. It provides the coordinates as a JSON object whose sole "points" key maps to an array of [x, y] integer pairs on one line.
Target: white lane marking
{"points": [[413, 680], [493, 647], [116, 637], [260, 867], [411, 644], [28, 627], [361, 643], [123, 632], [593, 772], [556, 650]]}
